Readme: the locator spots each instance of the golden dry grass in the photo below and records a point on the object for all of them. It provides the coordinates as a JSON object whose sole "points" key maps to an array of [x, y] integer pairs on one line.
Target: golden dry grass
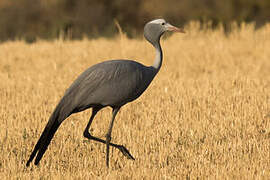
{"points": [[206, 114]]}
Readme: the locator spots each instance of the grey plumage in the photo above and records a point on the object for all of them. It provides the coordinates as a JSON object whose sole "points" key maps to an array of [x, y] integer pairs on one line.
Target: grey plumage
{"points": [[111, 83]]}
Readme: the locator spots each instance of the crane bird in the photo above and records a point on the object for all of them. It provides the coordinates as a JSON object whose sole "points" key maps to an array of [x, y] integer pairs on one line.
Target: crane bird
{"points": [[110, 83]]}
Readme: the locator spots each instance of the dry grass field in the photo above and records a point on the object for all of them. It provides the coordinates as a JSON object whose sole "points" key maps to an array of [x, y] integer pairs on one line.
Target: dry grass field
{"points": [[206, 115]]}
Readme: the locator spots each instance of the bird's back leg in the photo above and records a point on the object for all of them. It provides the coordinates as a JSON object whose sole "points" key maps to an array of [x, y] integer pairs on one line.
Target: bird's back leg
{"points": [[87, 135]]}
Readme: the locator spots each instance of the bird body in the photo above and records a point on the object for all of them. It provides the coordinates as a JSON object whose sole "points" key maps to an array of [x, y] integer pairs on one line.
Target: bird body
{"points": [[110, 83]]}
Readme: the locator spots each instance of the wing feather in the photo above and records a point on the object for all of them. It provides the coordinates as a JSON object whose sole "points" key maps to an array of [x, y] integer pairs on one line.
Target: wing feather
{"points": [[110, 83]]}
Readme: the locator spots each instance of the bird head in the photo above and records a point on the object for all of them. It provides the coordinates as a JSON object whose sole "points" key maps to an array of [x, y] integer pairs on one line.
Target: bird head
{"points": [[153, 30]]}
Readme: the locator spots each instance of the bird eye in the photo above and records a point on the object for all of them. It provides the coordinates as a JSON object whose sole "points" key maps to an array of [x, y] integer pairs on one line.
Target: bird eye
{"points": [[163, 23]]}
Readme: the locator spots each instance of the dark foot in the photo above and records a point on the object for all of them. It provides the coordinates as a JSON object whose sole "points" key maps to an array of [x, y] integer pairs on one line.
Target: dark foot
{"points": [[125, 152]]}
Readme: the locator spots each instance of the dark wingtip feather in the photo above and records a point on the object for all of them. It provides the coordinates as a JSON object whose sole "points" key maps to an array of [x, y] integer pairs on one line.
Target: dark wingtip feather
{"points": [[37, 146], [46, 141], [45, 137]]}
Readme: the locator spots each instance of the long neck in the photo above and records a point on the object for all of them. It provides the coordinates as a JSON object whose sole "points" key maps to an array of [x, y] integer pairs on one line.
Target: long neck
{"points": [[159, 56]]}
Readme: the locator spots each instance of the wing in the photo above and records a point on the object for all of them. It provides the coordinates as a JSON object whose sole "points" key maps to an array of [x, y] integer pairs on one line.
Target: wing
{"points": [[111, 83]]}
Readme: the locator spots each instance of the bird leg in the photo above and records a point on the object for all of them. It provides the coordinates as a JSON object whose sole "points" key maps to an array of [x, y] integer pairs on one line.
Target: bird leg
{"points": [[121, 148], [87, 135], [108, 135]]}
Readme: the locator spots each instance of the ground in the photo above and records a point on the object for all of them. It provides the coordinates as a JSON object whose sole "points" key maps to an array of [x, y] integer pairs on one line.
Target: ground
{"points": [[205, 115]]}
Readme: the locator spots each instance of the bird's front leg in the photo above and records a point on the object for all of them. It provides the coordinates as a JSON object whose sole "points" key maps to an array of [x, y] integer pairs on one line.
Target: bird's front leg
{"points": [[108, 136], [108, 140]]}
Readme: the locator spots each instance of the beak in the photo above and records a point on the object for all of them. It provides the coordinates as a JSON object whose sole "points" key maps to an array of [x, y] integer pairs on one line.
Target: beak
{"points": [[174, 29]]}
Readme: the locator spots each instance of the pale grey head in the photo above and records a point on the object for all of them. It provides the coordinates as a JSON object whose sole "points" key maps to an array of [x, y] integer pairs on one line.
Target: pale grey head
{"points": [[154, 29]]}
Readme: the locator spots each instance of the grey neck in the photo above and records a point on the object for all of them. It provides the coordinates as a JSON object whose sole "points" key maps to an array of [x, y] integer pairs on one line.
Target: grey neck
{"points": [[159, 56]]}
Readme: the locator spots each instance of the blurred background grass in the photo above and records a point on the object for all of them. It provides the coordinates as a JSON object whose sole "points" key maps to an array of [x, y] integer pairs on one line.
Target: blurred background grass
{"points": [[75, 19]]}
